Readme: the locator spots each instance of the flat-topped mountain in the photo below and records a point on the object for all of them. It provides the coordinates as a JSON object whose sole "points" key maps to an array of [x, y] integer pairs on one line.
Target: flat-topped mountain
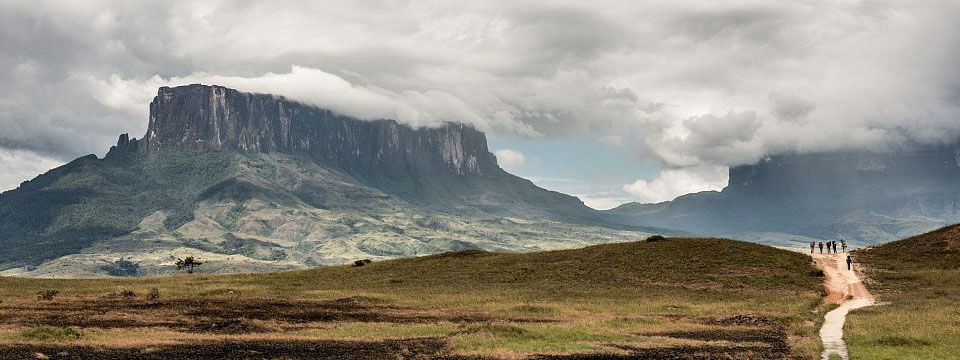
{"points": [[254, 182], [198, 117], [790, 199]]}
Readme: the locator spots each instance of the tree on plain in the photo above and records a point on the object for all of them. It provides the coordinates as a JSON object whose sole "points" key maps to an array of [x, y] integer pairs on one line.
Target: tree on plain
{"points": [[188, 263]]}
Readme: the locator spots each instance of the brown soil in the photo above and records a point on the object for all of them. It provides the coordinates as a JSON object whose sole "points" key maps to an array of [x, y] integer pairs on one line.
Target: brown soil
{"points": [[244, 316], [390, 349], [769, 336], [229, 316]]}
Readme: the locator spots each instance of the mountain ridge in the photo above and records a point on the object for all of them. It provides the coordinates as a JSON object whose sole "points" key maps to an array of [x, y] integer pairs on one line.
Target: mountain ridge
{"points": [[253, 182], [791, 199]]}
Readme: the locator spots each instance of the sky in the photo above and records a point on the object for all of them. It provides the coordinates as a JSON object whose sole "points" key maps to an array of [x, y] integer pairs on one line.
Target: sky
{"points": [[611, 101]]}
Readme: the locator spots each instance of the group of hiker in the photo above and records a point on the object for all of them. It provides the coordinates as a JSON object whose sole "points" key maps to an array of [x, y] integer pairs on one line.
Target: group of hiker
{"points": [[831, 246]]}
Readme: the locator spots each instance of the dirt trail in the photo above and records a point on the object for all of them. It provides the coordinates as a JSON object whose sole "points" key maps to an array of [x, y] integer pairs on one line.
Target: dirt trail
{"points": [[844, 288]]}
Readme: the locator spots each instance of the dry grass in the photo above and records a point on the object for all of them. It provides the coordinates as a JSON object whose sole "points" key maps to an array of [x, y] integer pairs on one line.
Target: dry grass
{"points": [[617, 298], [918, 282]]}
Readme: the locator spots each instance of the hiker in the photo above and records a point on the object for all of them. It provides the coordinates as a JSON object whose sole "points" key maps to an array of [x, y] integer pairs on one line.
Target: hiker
{"points": [[844, 244], [835, 248], [828, 247], [849, 261], [813, 244], [821, 247]]}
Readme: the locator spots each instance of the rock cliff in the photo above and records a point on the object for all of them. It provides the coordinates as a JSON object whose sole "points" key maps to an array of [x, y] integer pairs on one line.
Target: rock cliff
{"points": [[863, 196], [200, 117]]}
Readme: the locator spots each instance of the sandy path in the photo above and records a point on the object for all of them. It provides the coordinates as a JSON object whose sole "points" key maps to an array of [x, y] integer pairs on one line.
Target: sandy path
{"points": [[844, 288]]}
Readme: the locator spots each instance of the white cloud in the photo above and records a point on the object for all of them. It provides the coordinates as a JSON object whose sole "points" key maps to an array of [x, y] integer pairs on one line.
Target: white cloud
{"points": [[675, 182], [510, 159], [22, 165], [699, 84]]}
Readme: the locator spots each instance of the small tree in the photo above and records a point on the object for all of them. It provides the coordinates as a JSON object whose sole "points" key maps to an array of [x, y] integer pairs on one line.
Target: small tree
{"points": [[187, 263]]}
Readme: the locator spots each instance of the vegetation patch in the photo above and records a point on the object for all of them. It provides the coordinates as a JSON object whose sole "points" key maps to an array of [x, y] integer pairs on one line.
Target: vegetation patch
{"points": [[893, 340], [49, 333]]}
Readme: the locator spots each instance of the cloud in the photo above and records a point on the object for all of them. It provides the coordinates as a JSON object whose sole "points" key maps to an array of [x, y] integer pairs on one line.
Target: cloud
{"points": [[22, 165], [675, 182], [510, 159], [682, 84]]}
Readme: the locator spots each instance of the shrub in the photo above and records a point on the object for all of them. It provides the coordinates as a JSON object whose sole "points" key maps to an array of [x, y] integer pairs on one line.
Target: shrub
{"points": [[363, 262], [121, 267], [153, 294], [277, 255], [127, 294], [47, 295], [655, 238]]}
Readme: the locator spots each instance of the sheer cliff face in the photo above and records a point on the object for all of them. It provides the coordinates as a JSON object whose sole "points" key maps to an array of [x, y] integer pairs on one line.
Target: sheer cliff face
{"points": [[845, 173], [198, 117], [861, 196]]}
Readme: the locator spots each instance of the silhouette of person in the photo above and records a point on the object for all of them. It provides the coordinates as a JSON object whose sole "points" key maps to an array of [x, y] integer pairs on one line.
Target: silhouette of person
{"points": [[849, 261], [813, 244], [828, 247], [821, 247]]}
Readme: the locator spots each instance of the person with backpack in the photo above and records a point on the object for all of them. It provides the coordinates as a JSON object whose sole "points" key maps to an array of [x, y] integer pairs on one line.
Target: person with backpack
{"points": [[828, 247], [813, 245], [849, 262], [821, 247]]}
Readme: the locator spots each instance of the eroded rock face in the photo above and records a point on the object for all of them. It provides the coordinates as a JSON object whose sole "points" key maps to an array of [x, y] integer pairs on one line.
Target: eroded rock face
{"points": [[199, 117], [125, 145]]}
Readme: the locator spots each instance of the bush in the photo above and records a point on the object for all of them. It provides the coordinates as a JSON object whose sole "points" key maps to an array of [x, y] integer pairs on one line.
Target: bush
{"points": [[153, 294], [47, 295], [655, 238], [127, 294], [121, 267], [363, 262]]}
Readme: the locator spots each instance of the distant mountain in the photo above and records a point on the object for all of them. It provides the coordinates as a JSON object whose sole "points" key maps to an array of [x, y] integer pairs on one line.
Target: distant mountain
{"points": [[868, 198], [253, 182]]}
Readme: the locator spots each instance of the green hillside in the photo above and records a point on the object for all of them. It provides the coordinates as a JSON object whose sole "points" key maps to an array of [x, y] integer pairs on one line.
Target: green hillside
{"points": [[90, 199], [677, 295], [917, 280]]}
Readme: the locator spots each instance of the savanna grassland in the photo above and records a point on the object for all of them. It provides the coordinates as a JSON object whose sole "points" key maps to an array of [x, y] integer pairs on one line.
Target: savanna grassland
{"points": [[673, 298], [917, 282]]}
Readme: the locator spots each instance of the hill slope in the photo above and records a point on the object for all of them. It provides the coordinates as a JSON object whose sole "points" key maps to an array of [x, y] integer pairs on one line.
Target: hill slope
{"points": [[919, 280]]}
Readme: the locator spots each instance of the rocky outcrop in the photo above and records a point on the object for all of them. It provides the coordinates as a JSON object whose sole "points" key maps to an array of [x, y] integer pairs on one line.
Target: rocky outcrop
{"points": [[200, 117], [125, 145]]}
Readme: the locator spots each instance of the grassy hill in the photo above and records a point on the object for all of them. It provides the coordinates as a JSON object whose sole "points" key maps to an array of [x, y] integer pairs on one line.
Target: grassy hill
{"points": [[678, 297], [918, 279]]}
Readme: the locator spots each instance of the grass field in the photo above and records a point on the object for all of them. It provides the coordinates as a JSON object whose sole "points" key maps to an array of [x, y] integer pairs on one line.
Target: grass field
{"points": [[918, 282], [677, 297]]}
